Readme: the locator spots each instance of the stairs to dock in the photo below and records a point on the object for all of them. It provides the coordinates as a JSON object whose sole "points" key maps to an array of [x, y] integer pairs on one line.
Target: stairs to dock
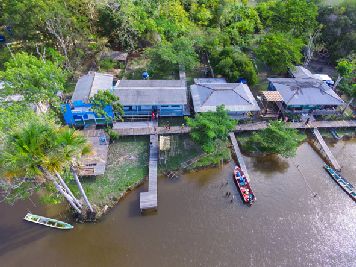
{"points": [[322, 147]]}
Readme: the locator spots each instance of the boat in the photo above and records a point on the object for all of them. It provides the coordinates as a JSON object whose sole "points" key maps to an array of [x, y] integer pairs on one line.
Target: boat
{"points": [[243, 186], [342, 182], [48, 222]]}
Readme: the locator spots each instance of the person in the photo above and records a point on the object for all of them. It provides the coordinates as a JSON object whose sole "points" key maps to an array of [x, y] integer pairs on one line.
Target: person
{"points": [[153, 115], [307, 121]]}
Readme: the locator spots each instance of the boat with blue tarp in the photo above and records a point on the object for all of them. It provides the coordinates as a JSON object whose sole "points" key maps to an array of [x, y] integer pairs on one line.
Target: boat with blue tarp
{"points": [[243, 185], [342, 182]]}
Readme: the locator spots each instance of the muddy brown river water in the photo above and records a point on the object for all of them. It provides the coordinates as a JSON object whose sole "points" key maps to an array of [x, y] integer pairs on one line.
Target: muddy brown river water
{"points": [[197, 226]]}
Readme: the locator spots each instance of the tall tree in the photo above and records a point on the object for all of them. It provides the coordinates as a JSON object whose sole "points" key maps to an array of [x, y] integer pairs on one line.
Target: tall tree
{"points": [[37, 79], [166, 57], [210, 126], [38, 151], [277, 138], [299, 17], [233, 64], [280, 51], [339, 32], [105, 98]]}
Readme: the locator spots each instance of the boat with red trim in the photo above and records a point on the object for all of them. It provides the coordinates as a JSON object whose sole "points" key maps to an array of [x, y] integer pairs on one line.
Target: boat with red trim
{"points": [[243, 186]]}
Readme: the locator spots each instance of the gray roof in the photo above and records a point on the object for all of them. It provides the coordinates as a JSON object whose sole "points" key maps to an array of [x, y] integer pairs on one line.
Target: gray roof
{"points": [[88, 85], [209, 80], [236, 97], [300, 72], [305, 91], [151, 92]]}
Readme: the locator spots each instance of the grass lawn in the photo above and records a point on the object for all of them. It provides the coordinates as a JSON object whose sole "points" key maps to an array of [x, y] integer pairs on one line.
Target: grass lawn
{"points": [[182, 150], [127, 165]]}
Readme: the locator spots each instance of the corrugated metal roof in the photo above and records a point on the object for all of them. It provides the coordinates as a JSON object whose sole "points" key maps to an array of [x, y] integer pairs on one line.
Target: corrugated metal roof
{"points": [[209, 80], [305, 91], [236, 97], [151, 92], [89, 84]]}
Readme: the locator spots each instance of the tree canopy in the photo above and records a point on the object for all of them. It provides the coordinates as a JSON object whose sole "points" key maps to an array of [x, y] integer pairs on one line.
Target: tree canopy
{"points": [[36, 79], [277, 138], [280, 51], [233, 64], [166, 57], [210, 126], [105, 98]]}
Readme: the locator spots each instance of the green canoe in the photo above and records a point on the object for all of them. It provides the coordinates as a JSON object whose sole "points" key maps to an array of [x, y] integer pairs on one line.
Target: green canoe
{"points": [[48, 222]]}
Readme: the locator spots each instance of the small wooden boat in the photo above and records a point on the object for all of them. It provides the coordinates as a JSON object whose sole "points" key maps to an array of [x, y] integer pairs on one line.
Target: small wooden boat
{"points": [[342, 182], [48, 222], [243, 186]]}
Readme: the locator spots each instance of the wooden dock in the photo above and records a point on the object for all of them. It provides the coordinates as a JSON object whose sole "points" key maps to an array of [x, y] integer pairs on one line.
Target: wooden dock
{"points": [[95, 162], [325, 151], [148, 200], [298, 125], [148, 128], [239, 156]]}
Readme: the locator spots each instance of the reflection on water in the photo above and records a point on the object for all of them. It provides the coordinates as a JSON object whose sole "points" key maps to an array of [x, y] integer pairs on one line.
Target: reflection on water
{"points": [[196, 225], [269, 164]]}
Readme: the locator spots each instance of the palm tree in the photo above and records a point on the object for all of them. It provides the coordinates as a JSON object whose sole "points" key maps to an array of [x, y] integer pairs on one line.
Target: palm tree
{"points": [[41, 151]]}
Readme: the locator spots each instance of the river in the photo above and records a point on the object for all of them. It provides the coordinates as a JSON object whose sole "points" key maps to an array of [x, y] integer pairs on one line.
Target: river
{"points": [[196, 225]]}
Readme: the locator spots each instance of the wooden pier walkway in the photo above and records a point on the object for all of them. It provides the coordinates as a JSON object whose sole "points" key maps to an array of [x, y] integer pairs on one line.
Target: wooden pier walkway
{"points": [[239, 156], [298, 125], [148, 200], [148, 128], [324, 149]]}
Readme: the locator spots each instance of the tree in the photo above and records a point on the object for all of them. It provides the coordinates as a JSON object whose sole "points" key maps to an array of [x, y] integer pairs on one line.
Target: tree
{"points": [[299, 17], [67, 27], [233, 64], [345, 68], [240, 22], [166, 57], [338, 33], [277, 138], [280, 51], [37, 79], [105, 98], [37, 152], [210, 126]]}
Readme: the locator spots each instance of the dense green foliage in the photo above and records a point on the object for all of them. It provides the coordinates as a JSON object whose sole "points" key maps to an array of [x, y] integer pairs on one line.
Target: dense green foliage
{"points": [[277, 138], [346, 69], [34, 154], [295, 16], [176, 31], [37, 80], [339, 31], [280, 51], [166, 57], [232, 65], [208, 127], [105, 98]]}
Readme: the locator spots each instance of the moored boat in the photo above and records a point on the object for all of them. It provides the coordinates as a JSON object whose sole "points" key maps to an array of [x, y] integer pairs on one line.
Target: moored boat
{"points": [[243, 186], [342, 182], [48, 222]]}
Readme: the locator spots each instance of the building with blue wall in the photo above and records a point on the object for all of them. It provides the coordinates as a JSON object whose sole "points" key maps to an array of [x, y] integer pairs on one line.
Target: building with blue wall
{"points": [[305, 95], [142, 97], [79, 114]]}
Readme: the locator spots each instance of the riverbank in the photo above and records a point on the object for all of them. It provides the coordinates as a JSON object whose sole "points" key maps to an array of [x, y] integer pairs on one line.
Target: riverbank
{"points": [[127, 167]]}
